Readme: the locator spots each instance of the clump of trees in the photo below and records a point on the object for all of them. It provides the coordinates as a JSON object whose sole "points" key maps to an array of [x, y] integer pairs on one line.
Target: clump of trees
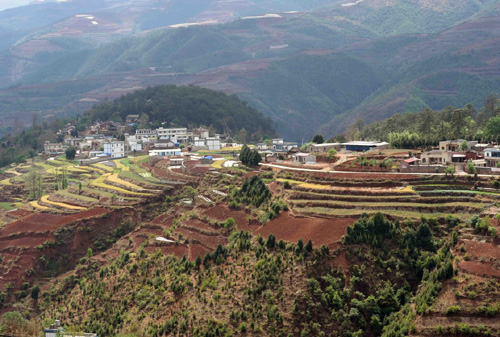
{"points": [[253, 192], [249, 156], [70, 153], [34, 184], [318, 139]]}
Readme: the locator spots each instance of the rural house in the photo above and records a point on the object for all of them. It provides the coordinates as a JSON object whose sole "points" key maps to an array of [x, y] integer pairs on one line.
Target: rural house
{"points": [[140, 133], [54, 148], [284, 147], [304, 158], [164, 144], [455, 145], [115, 149], [492, 156], [165, 153]]}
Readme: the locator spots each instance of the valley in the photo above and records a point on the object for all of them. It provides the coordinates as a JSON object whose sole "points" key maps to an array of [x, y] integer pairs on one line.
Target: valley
{"points": [[372, 71]]}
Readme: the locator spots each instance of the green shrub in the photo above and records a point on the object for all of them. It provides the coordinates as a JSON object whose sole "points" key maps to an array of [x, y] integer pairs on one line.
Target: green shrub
{"points": [[451, 310]]}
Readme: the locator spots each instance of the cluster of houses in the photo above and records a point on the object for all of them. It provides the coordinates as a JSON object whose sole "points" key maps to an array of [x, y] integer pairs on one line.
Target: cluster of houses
{"points": [[458, 153], [279, 149], [111, 140]]}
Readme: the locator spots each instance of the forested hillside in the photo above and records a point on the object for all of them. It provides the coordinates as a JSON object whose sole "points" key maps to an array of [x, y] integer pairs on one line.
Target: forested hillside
{"points": [[429, 127], [259, 286], [188, 106]]}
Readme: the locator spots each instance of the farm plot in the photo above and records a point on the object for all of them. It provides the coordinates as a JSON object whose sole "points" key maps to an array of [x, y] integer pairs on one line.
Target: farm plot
{"points": [[468, 304], [398, 202], [44, 201], [118, 182], [320, 231]]}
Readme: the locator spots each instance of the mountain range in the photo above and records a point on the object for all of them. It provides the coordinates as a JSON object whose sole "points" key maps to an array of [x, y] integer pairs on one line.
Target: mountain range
{"points": [[312, 66]]}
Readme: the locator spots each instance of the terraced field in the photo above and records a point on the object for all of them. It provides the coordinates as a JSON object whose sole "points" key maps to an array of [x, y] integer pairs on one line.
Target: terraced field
{"points": [[468, 304], [403, 201], [116, 183]]}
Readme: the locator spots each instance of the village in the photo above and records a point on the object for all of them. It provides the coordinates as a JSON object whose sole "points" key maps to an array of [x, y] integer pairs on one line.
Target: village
{"points": [[110, 140]]}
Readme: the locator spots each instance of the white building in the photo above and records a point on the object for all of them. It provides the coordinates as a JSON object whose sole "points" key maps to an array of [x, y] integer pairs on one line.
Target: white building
{"points": [[180, 135], [213, 143], [199, 142], [115, 149], [135, 146], [281, 146], [140, 133], [54, 148], [165, 153]]}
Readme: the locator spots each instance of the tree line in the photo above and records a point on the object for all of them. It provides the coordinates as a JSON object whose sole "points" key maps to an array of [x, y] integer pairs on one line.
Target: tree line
{"points": [[428, 127]]}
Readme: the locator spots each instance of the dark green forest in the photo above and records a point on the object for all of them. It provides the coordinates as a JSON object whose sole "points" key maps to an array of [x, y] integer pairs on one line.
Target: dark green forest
{"points": [[188, 106]]}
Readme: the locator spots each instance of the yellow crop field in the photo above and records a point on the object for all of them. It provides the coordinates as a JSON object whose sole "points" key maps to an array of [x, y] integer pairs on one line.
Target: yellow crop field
{"points": [[5, 182], [103, 167], [218, 164], [100, 182], [119, 164], [46, 200], [36, 205], [115, 179]]}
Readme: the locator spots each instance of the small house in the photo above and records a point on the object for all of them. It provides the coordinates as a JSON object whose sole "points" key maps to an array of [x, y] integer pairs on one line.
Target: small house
{"points": [[140, 133], [213, 143], [304, 158], [279, 145], [409, 162], [164, 144], [54, 148], [176, 161], [492, 156]]}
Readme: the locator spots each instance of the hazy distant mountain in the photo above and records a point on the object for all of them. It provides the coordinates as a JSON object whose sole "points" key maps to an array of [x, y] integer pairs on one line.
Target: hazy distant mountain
{"points": [[309, 71], [13, 3]]}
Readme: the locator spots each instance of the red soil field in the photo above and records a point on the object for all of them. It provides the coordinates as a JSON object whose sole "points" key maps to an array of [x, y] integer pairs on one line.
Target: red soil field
{"points": [[164, 219], [320, 231], [94, 212], [204, 227], [209, 241], [478, 268], [42, 222], [223, 212], [196, 250], [177, 250], [24, 242], [19, 213], [479, 249]]}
